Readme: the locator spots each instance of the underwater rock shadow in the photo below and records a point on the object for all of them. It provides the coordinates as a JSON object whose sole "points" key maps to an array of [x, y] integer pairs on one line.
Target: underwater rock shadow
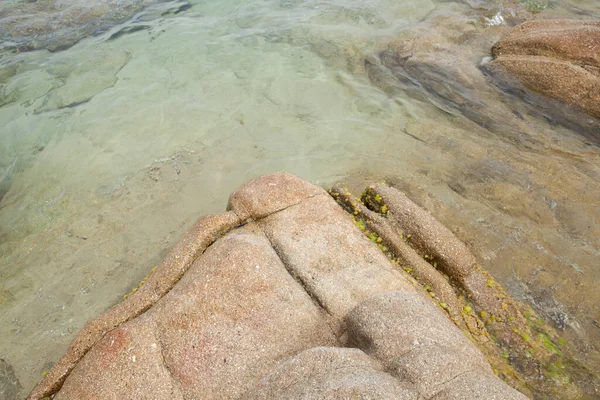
{"points": [[438, 85], [6, 178], [539, 106], [58, 28]]}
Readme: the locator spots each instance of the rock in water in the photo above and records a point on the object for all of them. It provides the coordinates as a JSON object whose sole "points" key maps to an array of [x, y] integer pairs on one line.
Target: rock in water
{"points": [[6, 177], [56, 25], [282, 297], [9, 384], [557, 58]]}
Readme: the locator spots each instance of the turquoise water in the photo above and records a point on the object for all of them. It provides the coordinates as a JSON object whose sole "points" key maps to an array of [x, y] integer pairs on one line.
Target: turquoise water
{"points": [[111, 148]]}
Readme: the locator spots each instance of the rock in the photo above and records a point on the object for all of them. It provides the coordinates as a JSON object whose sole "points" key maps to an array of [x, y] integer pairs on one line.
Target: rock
{"points": [[570, 40], [473, 385], [445, 61], [58, 25], [434, 62], [203, 233], [81, 81], [522, 352], [10, 386], [227, 322], [260, 303], [405, 255], [414, 340], [557, 58], [268, 194], [434, 241], [330, 373], [427, 234], [6, 178]]}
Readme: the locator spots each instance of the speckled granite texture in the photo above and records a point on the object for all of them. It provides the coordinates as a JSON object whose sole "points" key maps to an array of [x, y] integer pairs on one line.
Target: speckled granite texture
{"points": [[282, 297], [558, 58]]}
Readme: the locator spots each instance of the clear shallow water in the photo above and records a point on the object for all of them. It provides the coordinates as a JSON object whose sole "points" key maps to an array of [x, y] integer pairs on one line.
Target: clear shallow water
{"points": [[111, 148]]}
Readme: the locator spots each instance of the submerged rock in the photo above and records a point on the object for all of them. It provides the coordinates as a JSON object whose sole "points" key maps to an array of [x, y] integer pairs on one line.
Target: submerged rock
{"points": [[263, 302], [6, 178], [522, 349], [557, 58], [9, 383], [58, 25], [445, 61], [435, 62]]}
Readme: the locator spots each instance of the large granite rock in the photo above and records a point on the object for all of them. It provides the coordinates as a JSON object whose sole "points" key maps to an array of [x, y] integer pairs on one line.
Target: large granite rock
{"points": [[432, 354], [227, 322], [435, 62], [557, 58], [263, 302]]}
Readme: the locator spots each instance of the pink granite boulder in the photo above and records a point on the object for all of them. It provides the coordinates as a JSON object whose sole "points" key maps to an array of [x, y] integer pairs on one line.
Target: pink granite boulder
{"points": [[262, 303], [557, 58]]}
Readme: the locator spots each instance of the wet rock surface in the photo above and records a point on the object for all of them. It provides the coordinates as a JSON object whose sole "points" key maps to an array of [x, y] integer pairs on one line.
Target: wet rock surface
{"points": [[9, 383], [267, 307], [445, 61], [521, 347], [58, 25], [557, 58]]}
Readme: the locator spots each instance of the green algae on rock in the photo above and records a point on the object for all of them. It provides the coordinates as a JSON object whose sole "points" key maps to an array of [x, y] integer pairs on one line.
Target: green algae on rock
{"points": [[280, 297], [522, 348]]}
